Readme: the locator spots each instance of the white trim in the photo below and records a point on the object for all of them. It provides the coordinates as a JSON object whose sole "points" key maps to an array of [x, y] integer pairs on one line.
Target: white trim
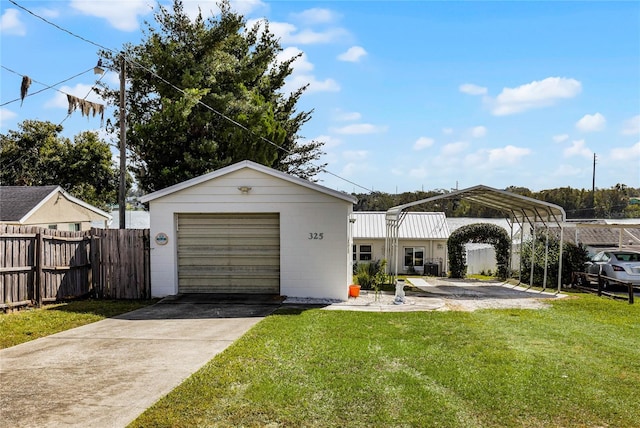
{"points": [[251, 165]]}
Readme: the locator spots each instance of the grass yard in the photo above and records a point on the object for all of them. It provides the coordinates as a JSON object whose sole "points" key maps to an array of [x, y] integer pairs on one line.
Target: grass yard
{"points": [[576, 364], [30, 324]]}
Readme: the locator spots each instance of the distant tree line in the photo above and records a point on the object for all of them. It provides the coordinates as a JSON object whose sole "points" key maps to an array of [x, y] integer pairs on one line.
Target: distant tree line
{"points": [[578, 203]]}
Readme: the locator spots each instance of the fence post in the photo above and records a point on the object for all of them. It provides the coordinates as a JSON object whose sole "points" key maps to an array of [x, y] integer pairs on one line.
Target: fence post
{"points": [[630, 285], [39, 273], [599, 284]]}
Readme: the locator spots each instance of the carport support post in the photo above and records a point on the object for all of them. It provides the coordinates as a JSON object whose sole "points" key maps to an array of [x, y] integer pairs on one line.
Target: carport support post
{"points": [[546, 260], [560, 258], [533, 252]]}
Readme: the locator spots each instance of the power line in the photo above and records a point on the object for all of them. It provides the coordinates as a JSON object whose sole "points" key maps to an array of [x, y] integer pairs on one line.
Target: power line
{"points": [[322, 169], [46, 87]]}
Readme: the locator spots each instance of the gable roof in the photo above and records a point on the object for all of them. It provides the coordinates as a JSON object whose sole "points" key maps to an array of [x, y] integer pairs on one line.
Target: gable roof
{"points": [[253, 166], [416, 225], [18, 203]]}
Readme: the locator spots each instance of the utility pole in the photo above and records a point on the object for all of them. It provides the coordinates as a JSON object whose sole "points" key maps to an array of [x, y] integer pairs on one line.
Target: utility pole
{"points": [[593, 188], [122, 196]]}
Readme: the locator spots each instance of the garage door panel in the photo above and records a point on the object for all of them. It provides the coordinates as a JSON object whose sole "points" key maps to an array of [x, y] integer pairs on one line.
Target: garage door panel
{"points": [[229, 253]]}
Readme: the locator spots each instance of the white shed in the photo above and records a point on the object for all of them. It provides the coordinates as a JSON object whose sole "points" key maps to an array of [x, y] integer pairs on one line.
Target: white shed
{"points": [[247, 228]]}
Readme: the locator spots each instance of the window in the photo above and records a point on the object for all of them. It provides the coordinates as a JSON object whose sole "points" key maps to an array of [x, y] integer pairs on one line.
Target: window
{"points": [[53, 226], [74, 227], [413, 256], [365, 253]]}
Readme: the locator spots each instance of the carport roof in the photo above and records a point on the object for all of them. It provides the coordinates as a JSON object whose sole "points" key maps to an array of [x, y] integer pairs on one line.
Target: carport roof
{"points": [[513, 205]]}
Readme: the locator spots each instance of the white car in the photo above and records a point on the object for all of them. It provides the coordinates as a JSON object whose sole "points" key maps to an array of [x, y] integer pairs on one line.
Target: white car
{"points": [[623, 265]]}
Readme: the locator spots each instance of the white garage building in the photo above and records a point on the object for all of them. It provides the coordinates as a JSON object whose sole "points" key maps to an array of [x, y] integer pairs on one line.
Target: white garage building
{"points": [[247, 228]]}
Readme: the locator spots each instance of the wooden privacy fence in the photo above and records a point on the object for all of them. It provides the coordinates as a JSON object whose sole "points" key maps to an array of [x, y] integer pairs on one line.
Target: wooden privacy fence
{"points": [[40, 265]]}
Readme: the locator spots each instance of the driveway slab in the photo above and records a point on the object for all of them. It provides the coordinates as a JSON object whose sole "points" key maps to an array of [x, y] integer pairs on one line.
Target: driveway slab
{"points": [[107, 373]]}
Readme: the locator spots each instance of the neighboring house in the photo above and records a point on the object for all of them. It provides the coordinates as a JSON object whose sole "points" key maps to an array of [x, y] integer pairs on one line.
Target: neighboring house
{"points": [[247, 228], [422, 241], [49, 207], [596, 235]]}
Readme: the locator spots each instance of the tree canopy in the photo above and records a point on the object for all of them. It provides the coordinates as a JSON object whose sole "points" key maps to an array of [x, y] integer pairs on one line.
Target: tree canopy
{"points": [[205, 93], [37, 155], [578, 203]]}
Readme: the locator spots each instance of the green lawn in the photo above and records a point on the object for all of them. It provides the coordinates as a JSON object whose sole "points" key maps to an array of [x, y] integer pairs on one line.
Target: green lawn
{"points": [[576, 364], [30, 324]]}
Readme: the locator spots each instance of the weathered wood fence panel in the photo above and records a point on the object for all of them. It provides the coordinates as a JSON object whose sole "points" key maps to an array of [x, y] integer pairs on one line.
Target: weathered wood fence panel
{"points": [[120, 263], [40, 265]]}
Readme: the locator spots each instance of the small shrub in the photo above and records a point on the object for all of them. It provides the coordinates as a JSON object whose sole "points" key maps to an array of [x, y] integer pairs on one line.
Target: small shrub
{"points": [[371, 275]]}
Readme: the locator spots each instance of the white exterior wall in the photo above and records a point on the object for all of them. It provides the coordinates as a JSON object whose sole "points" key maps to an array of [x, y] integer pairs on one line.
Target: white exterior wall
{"points": [[481, 259], [316, 268], [434, 249]]}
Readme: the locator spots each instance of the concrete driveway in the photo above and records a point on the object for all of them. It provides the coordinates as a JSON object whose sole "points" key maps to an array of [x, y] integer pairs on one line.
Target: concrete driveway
{"points": [[107, 373]]}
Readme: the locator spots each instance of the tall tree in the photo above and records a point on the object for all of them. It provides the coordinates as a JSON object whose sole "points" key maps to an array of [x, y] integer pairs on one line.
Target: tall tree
{"points": [[37, 155], [203, 94]]}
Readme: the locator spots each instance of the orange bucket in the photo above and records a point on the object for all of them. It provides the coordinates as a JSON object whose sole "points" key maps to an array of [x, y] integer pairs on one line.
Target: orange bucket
{"points": [[354, 290]]}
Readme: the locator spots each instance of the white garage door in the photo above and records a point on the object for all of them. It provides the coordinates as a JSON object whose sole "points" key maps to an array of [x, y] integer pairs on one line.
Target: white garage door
{"points": [[229, 253]]}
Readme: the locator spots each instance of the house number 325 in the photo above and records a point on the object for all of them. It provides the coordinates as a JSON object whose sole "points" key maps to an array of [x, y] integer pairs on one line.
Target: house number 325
{"points": [[316, 235]]}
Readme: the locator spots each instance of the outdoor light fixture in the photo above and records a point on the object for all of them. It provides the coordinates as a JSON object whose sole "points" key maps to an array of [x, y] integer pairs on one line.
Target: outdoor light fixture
{"points": [[98, 68], [244, 189]]}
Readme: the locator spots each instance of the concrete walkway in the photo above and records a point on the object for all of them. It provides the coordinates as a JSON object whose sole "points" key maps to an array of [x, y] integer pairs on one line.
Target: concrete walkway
{"points": [[107, 373], [444, 294]]}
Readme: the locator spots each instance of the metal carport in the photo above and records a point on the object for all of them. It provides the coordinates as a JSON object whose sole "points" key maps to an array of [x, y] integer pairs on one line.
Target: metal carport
{"points": [[517, 209]]}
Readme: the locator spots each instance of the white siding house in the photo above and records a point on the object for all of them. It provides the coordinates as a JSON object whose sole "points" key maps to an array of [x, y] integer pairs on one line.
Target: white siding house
{"points": [[247, 228], [422, 241]]}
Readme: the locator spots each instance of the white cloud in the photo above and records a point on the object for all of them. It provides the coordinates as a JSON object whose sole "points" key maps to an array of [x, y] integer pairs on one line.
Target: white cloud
{"points": [[243, 7], [631, 126], [508, 154], [329, 141], [347, 116], [537, 94], [578, 149], [566, 171], [447, 131], [48, 13], [560, 138], [10, 23], [5, 115], [423, 143], [289, 34], [123, 16], [420, 172], [355, 155], [302, 75], [315, 16], [471, 89], [360, 129], [297, 81], [301, 64], [626, 153], [591, 123], [353, 54], [478, 131], [452, 149], [80, 91]]}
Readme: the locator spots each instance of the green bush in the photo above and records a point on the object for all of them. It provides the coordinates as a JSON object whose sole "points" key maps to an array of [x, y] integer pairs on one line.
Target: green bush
{"points": [[371, 275], [574, 258], [478, 233]]}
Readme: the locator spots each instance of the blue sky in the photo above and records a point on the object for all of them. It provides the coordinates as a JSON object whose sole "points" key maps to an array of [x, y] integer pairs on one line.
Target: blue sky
{"points": [[406, 95]]}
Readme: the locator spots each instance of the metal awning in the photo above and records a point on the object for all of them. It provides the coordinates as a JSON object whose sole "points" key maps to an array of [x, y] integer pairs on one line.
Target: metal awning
{"points": [[513, 205], [517, 208]]}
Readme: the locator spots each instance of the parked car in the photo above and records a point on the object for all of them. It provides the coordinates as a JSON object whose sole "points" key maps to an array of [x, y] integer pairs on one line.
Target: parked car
{"points": [[623, 265]]}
